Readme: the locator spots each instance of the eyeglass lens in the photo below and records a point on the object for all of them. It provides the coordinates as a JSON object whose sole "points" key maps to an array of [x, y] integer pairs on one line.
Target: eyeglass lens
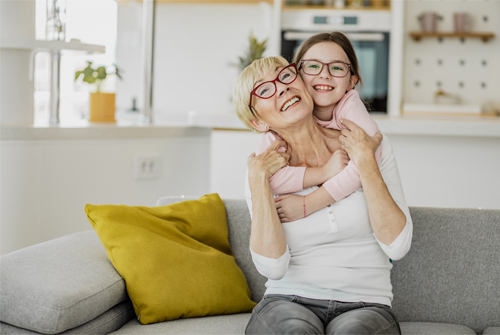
{"points": [[268, 89], [336, 69]]}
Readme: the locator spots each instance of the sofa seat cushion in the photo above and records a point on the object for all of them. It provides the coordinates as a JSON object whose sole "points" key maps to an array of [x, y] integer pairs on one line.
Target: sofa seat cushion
{"points": [[492, 331], [59, 284], [217, 325], [236, 324], [105, 323], [430, 328]]}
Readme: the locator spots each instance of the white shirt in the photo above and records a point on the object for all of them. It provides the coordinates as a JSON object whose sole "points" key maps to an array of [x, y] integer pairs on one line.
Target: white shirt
{"points": [[333, 253]]}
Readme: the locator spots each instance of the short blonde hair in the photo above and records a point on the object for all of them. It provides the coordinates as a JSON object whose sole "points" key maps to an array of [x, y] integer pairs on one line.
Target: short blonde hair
{"points": [[244, 85]]}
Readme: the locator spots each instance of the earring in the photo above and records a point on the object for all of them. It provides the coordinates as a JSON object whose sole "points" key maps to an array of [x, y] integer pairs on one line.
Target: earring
{"points": [[267, 128]]}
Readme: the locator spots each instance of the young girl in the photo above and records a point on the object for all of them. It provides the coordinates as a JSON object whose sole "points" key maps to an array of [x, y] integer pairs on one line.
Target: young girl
{"points": [[328, 66]]}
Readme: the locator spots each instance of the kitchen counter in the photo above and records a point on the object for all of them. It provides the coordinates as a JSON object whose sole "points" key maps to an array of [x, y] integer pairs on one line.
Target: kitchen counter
{"points": [[86, 130], [201, 124], [400, 125]]}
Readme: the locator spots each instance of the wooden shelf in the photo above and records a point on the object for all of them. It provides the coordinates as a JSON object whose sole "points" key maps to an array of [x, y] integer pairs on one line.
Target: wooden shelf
{"points": [[484, 36], [203, 1], [40, 45], [346, 8]]}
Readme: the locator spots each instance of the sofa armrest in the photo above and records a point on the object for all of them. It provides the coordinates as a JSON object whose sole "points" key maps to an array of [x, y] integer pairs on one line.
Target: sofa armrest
{"points": [[60, 284]]}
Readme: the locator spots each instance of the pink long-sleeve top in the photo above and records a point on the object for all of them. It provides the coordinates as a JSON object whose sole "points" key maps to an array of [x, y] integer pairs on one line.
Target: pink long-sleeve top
{"points": [[290, 179]]}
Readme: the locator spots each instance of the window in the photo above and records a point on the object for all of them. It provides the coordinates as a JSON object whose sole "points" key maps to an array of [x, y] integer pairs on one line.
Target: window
{"points": [[91, 22]]}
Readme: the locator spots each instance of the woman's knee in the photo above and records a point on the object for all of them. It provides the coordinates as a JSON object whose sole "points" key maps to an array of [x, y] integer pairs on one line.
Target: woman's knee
{"points": [[283, 317], [364, 321]]}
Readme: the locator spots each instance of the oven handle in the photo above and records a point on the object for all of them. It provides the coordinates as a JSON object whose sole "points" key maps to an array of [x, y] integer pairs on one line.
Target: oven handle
{"points": [[300, 36]]}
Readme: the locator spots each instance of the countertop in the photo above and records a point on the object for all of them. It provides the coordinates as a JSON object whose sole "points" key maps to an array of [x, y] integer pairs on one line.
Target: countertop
{"points": [[201, 124], [86, 130], [396, 125]]}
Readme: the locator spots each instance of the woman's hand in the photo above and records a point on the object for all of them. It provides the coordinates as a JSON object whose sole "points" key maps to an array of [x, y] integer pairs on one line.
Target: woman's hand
{"points": [[290, 207], [357, 143], [336, 164], [268, 162]]}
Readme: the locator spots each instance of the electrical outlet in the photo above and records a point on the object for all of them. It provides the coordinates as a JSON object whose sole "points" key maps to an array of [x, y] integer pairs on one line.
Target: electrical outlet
{"points": [[146, 166]]}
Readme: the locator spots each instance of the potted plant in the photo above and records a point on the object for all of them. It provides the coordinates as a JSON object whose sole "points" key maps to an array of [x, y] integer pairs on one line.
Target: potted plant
{"points": [[254, 51], [102, 105]]}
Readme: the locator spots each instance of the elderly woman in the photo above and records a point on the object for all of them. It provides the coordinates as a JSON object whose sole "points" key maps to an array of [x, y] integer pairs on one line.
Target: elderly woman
{"points": [[329, 272]]}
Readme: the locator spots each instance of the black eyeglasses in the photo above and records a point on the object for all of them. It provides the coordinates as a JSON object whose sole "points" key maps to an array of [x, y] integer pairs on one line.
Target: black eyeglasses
{"points": [[336, 69], [267, 89]]}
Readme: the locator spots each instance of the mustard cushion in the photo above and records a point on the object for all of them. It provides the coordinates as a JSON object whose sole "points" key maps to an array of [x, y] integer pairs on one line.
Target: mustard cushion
{"points": [[176, 260]]}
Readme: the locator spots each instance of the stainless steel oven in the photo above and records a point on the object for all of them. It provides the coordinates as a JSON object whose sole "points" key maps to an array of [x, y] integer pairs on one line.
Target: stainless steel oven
{"points": [[368, 32]]}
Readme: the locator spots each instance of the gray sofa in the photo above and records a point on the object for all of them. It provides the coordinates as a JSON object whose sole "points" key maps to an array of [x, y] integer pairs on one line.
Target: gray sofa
{"points": [[449, 283]]}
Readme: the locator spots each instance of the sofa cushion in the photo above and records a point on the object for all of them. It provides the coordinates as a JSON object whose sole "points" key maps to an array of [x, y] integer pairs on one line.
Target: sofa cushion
{"points": [[216, 325], [492, 331], [451, 273], [176, 259], [236, 324], [238, 223], [59, 284], [428, 328], [105, 323]]}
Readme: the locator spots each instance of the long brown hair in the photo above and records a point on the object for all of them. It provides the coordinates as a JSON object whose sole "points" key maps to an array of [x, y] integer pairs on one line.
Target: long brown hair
{"points": [[336, 37]]}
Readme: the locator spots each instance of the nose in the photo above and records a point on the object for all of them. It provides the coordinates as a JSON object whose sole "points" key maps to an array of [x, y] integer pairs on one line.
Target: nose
{"points": [[281, 88], [325, 73]]}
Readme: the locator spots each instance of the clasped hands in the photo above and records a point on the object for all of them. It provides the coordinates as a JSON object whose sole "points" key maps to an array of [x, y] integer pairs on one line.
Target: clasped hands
{"points": [[355, 144]]}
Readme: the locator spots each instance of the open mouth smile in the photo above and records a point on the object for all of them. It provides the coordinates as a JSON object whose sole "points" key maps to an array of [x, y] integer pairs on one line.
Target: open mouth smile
{"points": [[289, 103], [323, 88]]}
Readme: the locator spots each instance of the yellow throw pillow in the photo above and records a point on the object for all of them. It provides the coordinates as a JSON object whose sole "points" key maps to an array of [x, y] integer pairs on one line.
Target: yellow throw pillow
{"points": [[176, 260]]}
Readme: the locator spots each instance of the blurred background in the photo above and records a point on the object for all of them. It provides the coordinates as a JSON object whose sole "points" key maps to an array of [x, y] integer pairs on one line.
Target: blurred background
{"points": [[431, 73]]}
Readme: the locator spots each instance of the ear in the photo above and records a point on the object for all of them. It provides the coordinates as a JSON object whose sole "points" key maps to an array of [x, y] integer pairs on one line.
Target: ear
{"points": [[259, 125], [353, 81]]}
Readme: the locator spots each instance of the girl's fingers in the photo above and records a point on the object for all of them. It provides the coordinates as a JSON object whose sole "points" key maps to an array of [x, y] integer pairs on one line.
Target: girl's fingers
{"points": [[285, 155], [277, 143]]}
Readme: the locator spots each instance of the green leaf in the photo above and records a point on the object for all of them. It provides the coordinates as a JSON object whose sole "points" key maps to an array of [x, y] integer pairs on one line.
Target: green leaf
{"points": [[78, 74], [101, 72], [95, 76], [89, 79]]}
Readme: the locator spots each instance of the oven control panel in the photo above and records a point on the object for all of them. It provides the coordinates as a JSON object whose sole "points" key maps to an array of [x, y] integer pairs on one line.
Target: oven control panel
{"points": [[336, 20], [326, 20]]}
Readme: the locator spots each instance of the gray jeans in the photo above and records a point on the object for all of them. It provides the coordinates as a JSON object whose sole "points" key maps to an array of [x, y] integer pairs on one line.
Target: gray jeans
{"points": [[289, 314]]}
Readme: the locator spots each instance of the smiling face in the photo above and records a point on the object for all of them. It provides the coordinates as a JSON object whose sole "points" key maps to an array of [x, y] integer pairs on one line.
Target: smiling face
{"points": [[325, 89], [290, 104]]}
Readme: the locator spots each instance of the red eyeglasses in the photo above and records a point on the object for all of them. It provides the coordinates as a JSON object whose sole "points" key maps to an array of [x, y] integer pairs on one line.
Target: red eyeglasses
{"points": [[268, 89]]}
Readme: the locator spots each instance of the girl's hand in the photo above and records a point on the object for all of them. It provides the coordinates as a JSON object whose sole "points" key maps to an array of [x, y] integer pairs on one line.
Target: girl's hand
{"points": [[358, 144], [290, 207], [268, 162], [336, 164]]}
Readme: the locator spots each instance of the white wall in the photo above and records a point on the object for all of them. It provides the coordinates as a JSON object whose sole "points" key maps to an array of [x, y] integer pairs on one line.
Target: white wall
{"points": [[469, 69], [194, 47], [46, 184], [436, 171]]}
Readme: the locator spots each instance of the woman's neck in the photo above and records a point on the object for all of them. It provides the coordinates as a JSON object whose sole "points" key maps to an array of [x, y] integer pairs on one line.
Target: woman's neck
{"points": [[309, 144]]}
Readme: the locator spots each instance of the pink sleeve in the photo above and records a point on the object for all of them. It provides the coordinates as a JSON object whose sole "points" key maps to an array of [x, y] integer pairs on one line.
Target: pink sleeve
{"points": [[351, 108], [288, 179]]}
